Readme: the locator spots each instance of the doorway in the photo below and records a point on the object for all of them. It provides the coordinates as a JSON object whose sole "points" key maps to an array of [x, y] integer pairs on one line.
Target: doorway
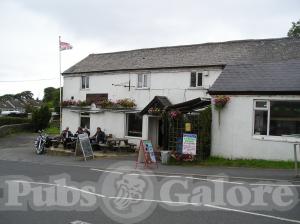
{"points": [[156, 131]]}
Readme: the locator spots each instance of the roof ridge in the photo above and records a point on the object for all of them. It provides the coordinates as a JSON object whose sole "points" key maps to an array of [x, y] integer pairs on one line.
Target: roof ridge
{"points": [[201, 44]]}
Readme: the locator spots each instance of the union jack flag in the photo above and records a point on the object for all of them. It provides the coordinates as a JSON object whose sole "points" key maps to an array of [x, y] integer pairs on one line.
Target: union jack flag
{"points": [[64, 46]]}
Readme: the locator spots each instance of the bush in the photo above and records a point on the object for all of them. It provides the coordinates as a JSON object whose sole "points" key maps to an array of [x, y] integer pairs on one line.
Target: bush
{"points": [[205, 118], [41, 117], [13, 120]]}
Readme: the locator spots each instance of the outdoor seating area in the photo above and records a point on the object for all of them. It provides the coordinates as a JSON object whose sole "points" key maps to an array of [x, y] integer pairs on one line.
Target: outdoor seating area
{"points": [[115, 144]]}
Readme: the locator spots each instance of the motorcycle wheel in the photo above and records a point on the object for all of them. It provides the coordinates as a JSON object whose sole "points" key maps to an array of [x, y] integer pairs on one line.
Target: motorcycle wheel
{"points": [[40, 149]]}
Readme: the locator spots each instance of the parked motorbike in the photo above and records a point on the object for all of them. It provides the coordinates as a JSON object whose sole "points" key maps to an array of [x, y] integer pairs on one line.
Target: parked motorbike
{"points": [[42, 142]]}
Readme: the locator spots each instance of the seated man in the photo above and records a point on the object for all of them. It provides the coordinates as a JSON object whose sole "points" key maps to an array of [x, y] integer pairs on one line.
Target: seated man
{"points": [[66, 136], [85, 130], [79, 131], [99, 136]]}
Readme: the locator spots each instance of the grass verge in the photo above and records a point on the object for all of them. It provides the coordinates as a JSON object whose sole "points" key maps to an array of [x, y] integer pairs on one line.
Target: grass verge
{"points": [[52, 131], [252, 163]]}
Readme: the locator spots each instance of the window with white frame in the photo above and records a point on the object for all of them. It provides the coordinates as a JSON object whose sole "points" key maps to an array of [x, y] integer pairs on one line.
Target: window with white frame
{"points": [[85, 120], [134, 124], [276, 117], [196, 79], [143, 81], [85, 82]]}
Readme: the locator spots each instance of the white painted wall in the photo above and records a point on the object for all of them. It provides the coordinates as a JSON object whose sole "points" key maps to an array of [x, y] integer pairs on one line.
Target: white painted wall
{"points": [[110, 122], [173, 84], [233, 137], [70, 119]]}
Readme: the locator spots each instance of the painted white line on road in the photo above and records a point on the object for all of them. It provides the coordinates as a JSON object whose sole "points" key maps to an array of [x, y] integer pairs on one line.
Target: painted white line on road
{"points": [[197, 178], [79, 222], [276, 185], [31, 182], [106, 171], [170, 202], [134, 170], [253, 213]]}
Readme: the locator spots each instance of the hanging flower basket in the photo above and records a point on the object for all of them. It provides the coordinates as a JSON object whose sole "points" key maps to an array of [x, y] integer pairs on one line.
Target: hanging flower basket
{"points": [[175, 114], [219, 103]]}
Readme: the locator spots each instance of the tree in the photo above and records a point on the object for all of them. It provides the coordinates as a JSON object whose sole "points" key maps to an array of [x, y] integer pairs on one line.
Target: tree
{"points": [[51, 98], [41, 118], [294, 31], [25, 95], [48, 94]]}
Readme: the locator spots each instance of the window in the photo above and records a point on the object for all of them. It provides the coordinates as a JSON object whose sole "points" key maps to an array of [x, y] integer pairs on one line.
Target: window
{"points": [[143, 81], [85, 82], [85, 120], [276, 118], [134, 125], [196, 79]]}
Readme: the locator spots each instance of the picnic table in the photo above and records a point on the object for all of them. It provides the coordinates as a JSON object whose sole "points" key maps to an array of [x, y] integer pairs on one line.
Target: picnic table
{"points": [[117, 143]]}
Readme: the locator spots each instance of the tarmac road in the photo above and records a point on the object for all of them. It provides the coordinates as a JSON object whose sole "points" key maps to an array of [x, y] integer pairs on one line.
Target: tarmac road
{"points": [[33, 190]]}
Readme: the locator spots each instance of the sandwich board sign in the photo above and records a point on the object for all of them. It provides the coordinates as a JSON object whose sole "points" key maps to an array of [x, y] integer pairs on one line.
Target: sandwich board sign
{"points": [[146, 154], [189, 142], [83, 147]]}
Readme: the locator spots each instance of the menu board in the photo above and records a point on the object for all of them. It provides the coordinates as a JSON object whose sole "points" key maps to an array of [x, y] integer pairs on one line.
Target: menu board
{"points": [[83, 144], [149, 148], [189, 142]]}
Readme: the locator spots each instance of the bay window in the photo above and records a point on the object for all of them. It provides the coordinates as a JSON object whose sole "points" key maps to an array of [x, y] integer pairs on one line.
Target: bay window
{"points": [[276, 117]]}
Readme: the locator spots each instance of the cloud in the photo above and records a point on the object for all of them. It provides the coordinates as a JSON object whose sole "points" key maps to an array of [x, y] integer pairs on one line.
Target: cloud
{"points": [[30, 29]]}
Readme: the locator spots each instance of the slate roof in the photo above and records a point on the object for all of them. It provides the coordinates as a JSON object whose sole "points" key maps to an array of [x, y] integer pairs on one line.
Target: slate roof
{"points": [[208, 54], [263, 78], [190, 105], [158, 101]]}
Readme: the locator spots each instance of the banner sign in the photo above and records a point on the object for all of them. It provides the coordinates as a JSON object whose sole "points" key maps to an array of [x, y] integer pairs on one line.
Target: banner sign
{"points": [[189, 143]]}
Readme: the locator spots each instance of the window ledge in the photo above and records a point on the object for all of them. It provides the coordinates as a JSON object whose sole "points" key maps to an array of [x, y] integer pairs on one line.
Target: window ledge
{"points": [[84, 89], [276, 138], [142, 88], [133, 137], [198, 88]]}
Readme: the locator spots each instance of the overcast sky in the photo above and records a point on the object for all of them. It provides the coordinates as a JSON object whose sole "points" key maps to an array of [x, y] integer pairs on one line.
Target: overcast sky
{"points": [[29, 30]]}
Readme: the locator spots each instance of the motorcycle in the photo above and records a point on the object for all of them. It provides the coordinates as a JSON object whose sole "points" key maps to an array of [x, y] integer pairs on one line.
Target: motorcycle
{"points": [[42, 142]]}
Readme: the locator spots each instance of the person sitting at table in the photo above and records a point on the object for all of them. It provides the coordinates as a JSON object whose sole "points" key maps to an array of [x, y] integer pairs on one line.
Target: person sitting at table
{"points": [[85, 130], [99, 136], [66, 136], [79, 131]]}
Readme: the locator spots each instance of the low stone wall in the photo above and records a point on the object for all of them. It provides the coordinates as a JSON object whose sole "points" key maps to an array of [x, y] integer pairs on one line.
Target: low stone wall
{"points": [[13, 128]]}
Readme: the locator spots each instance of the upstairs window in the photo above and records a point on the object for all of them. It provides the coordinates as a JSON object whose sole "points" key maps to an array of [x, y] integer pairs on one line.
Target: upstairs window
{"points": [[143, 81], [85, 82], [196, 79]]}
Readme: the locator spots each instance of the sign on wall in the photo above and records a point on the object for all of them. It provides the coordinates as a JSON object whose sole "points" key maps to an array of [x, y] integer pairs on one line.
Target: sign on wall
{"points": [[189, 142]]}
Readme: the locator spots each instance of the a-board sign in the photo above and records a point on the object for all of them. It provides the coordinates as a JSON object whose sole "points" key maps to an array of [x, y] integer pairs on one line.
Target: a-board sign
{"points": [[83, 147], [149, 149], [146, 153], [189, 142]]}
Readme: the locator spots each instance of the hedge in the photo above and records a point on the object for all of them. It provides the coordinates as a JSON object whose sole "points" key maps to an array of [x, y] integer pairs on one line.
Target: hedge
{"points": [[13, 120]]}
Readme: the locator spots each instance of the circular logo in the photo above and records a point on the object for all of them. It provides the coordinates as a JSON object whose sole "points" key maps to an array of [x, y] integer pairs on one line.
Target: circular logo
{"points": [[127, 194]]}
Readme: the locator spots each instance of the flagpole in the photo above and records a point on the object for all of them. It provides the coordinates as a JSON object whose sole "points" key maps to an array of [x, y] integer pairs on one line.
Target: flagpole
{"points": [[60, 95]]}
